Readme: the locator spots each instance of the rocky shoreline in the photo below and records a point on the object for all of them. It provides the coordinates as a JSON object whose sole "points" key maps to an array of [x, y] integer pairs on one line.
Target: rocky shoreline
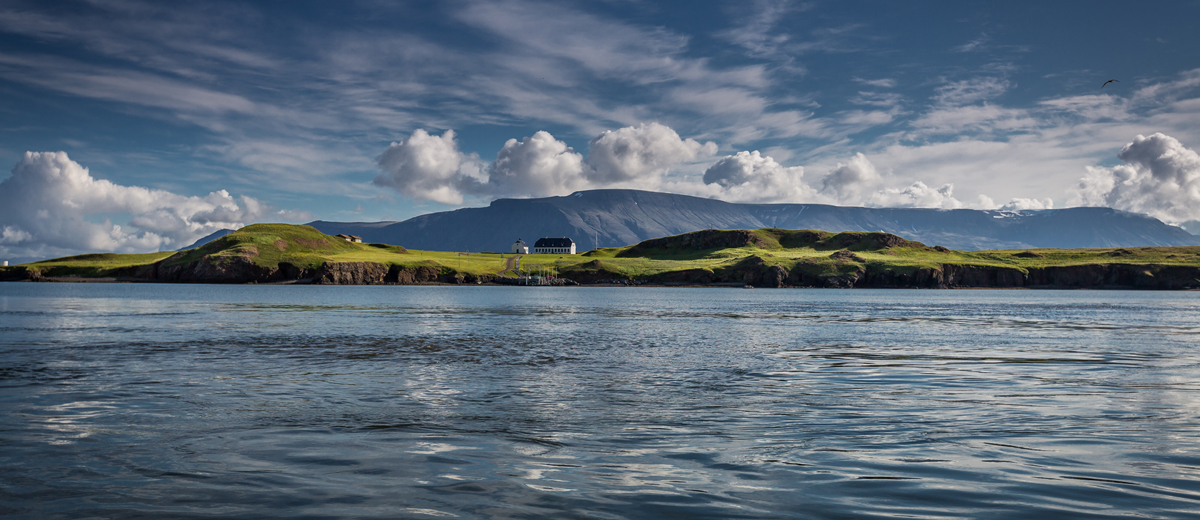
{"points": [[753, 272]]}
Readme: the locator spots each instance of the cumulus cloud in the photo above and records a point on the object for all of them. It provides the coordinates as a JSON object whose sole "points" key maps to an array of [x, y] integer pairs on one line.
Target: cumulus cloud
{"points": [[853, 180], [1160, 178], [917, 195], [52, 205], [752, 177], [428, 167], [858, 182], [536, 166], [637, 156], [432, 167]]}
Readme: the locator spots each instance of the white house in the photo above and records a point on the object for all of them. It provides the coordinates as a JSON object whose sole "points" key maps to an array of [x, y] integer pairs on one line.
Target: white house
{"points": [[519, 248], [554, 246]]}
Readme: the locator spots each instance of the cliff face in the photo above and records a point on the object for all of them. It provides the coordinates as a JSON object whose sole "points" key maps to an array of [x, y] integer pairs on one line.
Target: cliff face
{"points": [[239, 270], [753, 271], [371, 273], [757, 273], [222, 270]]}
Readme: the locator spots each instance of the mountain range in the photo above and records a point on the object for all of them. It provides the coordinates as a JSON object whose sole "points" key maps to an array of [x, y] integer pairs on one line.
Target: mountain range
{"points": [[612, 218]]}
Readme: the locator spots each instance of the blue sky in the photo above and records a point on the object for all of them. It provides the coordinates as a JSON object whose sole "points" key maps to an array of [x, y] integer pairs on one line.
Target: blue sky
{"points": [[176, 119]]}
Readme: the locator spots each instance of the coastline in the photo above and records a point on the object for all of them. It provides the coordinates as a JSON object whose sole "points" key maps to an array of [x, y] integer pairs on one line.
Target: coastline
{"points": [[764, 258], [632, 285]]}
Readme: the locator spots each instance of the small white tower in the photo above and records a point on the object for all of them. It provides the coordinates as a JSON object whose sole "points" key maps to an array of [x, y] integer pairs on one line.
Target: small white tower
{"points": [[519, 248]]}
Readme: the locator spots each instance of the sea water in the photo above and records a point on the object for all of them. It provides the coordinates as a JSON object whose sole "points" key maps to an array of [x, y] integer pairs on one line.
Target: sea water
{"points": [[200, 401]]}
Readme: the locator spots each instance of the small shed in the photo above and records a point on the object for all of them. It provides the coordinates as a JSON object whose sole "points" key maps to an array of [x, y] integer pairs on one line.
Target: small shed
{"points": [[351, 238]]}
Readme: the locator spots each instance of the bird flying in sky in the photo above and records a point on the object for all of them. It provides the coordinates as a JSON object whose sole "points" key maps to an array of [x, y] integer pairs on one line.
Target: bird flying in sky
{"points": [[1109, 81]]}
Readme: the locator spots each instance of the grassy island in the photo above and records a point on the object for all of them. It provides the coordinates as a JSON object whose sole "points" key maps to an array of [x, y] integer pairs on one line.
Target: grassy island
{"points": [[762, 257]]}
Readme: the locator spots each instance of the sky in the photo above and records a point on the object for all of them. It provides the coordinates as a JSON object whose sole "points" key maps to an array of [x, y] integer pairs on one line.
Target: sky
{"points": [[141, 126]]}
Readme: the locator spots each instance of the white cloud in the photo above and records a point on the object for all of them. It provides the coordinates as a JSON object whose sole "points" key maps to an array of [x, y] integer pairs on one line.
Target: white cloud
{"points": [[1022, 204], [879, 99], [976, 118], [535, 166], [428, 167], [858, 182], [431, 167], [978, 44], [877, 83], [918, 195], [852, 181], [756, 33], [638, 156], [752, 177], [13, 235], [52, 205], [1160, 178], [970, 91]]}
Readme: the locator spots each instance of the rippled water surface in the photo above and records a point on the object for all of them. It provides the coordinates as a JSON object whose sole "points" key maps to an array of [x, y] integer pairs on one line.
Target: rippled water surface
{"points": [[520, 402]]}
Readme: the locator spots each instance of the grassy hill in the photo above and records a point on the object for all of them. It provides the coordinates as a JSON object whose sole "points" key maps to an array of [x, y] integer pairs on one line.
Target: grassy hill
{"points": [[796, 257], [821, 252]]}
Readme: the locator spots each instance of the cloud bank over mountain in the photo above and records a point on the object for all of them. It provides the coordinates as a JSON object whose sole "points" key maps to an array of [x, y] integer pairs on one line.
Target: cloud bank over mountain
{"points": [[52, 205], [1161, 177], [429, 167]]}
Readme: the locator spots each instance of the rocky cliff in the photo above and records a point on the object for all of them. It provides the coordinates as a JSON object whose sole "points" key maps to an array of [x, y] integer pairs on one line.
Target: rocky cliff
{"points": [[756, 272], [753, 271]]}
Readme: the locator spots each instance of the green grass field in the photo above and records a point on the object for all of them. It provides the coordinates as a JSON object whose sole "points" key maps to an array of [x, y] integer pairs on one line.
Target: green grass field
{"points": [[269, 245]]}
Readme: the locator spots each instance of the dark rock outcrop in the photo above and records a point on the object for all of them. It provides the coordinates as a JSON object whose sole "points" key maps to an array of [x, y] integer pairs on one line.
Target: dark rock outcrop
{"points": [[214, 269], [351, 273], [412, 275], [697, 241], [19, 273], [845, 255], [759, 273]]}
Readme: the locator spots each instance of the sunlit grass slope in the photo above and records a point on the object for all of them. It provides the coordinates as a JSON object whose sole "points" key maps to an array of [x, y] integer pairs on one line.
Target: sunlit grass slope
{"points": [[268, 245], [93, 265]]}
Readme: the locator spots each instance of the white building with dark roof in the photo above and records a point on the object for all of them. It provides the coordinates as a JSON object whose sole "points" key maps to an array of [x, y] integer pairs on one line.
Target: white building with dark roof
{"points": [[519, 248], [554, 246]]}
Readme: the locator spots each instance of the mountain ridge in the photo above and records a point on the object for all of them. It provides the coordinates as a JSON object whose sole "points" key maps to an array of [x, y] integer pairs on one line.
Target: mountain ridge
{"points": [[615, 218]]}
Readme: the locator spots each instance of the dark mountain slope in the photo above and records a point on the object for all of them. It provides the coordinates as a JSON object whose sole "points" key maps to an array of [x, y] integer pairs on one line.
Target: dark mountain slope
{"points": [[212, 236], [612, 218]]}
